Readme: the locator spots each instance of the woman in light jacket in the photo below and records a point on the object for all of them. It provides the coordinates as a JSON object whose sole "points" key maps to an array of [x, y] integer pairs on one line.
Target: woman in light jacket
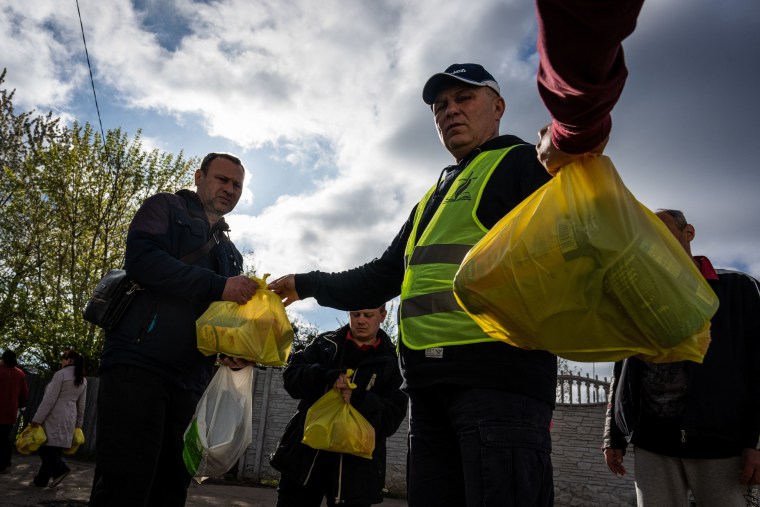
{"points": [[61, 411]]}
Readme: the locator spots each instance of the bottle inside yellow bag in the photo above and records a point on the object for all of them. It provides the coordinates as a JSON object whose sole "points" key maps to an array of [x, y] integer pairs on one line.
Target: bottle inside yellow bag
{"points": [[582, 269]]}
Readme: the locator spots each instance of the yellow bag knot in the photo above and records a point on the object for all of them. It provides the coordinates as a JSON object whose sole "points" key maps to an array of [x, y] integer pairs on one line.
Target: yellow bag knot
{"points": [[349, 374], [258, 331], [262, 282]]}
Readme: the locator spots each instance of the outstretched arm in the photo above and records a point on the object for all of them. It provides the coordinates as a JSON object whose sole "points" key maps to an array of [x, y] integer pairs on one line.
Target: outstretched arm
{"points": [[581, 71], [285, 287]]}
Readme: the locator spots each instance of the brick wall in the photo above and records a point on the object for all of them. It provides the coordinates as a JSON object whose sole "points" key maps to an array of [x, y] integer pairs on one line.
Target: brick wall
{"points": [[580, 475]]}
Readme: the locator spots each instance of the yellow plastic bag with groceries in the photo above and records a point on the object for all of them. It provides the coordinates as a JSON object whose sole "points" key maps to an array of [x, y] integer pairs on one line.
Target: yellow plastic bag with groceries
{"points": [[76, 440], [582, 269], [334, 425], [258, 330], [30, 439]]}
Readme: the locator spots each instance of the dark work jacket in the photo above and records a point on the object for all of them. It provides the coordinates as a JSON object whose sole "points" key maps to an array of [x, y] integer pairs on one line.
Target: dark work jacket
{"points": [[722, 414], [157, 332], [489, 364], [310, 373]]}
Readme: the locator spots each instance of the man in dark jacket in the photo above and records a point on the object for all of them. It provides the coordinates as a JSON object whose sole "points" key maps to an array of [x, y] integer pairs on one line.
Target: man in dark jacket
{"points": [[477, 405], [309, 475], [694, 426], [151, 372]]}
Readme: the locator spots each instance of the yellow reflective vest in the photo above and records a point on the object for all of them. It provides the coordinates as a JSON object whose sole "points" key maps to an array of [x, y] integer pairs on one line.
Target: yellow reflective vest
{"points": [[429, 316]]}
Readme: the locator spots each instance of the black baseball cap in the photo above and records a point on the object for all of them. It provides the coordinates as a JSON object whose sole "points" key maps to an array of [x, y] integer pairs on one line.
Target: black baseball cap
{"points": [[470, 73]]}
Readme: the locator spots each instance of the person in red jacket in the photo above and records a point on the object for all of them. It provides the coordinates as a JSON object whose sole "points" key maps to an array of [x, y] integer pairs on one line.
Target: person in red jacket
{"points": [[14, 394], [581, 73]]}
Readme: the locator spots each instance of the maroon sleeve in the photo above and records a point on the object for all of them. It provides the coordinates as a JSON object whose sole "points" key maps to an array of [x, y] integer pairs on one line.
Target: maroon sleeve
{"points": [[581, 69]]}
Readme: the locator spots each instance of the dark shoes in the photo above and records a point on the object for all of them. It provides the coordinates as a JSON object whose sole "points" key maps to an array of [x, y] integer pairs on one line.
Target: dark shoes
{"points": [[54, 482]]}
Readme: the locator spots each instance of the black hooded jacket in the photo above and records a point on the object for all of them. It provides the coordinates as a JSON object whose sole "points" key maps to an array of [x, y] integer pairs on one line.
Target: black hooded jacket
{"points": [[157, 332], [308, 376], [721, 400]]}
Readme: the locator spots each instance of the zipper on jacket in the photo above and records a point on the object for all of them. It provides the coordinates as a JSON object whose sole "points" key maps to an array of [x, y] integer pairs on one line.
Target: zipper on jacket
{"points": [[311, 468], [150, 325], [686, 404], [373, 378], [371, 382], [340, 480]]}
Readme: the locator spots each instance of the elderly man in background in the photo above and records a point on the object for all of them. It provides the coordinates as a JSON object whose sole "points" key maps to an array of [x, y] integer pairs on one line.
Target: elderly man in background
{"points": [[695, 427]]}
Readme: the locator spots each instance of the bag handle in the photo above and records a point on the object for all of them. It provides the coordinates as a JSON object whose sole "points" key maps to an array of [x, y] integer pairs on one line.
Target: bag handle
{"points": [[192, 257], [215, 238]]}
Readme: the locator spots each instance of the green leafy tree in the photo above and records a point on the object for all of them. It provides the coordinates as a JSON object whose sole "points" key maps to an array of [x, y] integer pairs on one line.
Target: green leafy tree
{"points": [[564, 368], [565, 389], [389, 325], [304, 332], [22, 136], [68, 197]]}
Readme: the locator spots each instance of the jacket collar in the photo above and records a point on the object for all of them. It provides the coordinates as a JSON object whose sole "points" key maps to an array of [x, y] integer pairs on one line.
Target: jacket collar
{"points": [[340, 335], [496, 143], [706, 267]]}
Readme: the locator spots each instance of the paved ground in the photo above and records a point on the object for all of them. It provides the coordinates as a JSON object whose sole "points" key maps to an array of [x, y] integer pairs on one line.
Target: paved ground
{"points": [[16, 489]]}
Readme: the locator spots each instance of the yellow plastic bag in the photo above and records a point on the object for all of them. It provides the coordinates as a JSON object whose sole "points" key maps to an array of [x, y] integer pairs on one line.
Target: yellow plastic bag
{"points": [[583, 270], [30, 439], [258, 330], [334, 425], [76, 441]]}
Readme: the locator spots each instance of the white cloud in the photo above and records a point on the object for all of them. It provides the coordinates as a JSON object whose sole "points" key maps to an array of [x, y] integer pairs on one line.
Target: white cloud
{"points": [[329, 92], [37, 49]]}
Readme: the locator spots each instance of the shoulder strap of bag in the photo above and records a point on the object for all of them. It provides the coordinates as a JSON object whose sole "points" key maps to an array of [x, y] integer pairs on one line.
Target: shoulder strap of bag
{"points": [[215, 238]]}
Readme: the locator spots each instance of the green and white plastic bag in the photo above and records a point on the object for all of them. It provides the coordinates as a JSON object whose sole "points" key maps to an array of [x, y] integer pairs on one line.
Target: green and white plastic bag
{"points": [[221, 429]]}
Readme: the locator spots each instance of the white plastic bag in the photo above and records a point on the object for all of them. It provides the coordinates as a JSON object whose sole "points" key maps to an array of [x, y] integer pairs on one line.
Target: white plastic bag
{"points": [[221, 428]]}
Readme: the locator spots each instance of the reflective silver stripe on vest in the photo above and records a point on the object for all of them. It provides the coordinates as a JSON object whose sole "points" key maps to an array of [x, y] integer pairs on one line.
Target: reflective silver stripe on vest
{"points": [[439, 254], [426, 304]]}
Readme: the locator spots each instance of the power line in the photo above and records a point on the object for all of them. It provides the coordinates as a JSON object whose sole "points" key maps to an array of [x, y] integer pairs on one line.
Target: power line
{"points": [[92, 81]]}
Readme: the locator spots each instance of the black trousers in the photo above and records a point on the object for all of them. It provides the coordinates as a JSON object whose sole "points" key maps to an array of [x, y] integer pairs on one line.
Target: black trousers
{"points": [[478, 447], [52, 464], [141, 422], [291, 493], [6, 446]]}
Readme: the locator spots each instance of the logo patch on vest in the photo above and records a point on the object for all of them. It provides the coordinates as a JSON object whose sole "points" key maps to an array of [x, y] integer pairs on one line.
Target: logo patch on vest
{"points": [[434, 353], [461, 193]]}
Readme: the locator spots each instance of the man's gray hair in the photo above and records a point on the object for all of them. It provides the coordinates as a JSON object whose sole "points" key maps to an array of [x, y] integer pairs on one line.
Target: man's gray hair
{"points": [[678, 217]]}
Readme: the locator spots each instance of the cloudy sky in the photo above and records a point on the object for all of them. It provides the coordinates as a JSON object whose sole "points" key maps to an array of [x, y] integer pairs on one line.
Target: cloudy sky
{"points": [[322, 101]]}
